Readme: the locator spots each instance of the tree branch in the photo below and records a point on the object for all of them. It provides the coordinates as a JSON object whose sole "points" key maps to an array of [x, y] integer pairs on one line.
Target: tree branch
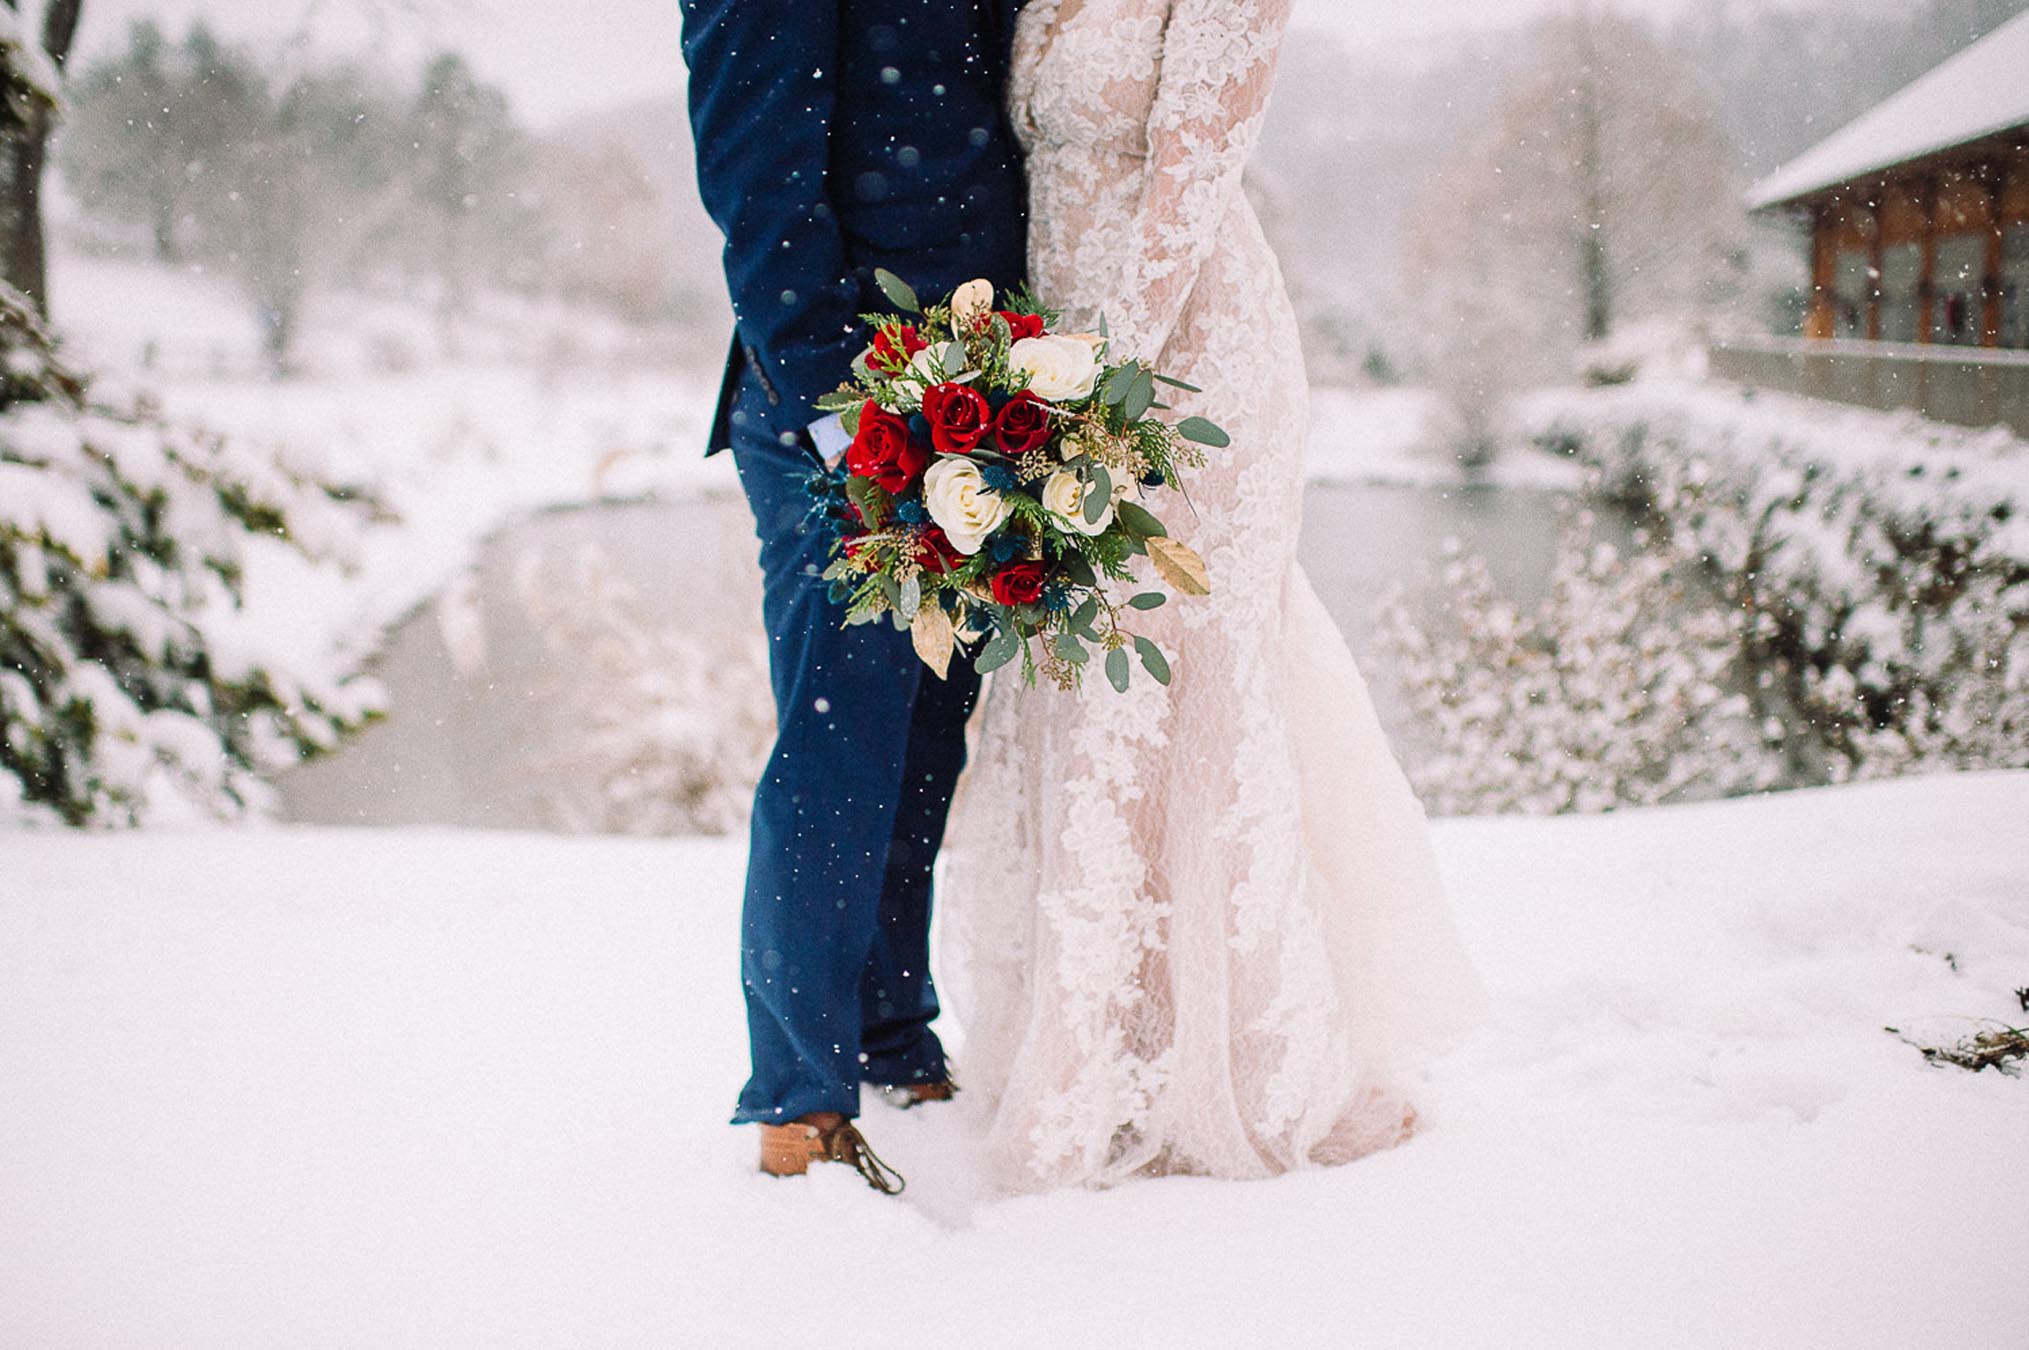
{"points": [[59, 29]]}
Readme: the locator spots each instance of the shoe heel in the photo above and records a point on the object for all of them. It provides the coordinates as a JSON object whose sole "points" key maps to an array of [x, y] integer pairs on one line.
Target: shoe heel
{"points": [[785, 1150]]}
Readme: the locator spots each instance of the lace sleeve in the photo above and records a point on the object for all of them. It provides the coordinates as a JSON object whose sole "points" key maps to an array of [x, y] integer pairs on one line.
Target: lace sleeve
{"points": [[1218, 63]]}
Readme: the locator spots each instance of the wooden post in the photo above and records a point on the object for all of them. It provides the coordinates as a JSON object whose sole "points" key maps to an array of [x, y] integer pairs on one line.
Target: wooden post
{"points": [[1876, 264], [1821, 319], [1927, 195], [1993, 177]]}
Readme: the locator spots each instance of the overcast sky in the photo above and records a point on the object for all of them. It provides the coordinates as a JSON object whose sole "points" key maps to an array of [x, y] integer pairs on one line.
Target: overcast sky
{"points": [[557, 59]]}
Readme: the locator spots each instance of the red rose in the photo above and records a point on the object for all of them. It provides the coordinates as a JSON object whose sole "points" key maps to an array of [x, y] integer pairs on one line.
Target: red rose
{"points": [[884, 451], [1023, 424], [958, 417], [1018, 583], [934, 551], [894, 346], [1022, 325]]}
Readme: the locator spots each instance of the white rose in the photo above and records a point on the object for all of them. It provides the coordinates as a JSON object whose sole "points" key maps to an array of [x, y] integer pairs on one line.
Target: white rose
{"points": [[961, 503], [1060, 369], [968, 303], [1064, 495]]}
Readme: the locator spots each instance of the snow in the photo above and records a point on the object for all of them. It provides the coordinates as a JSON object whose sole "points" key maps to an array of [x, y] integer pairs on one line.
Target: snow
{"points": [[541, 407], [1400, 437], [1977, 93], [1745, 422], [403, 1088]]}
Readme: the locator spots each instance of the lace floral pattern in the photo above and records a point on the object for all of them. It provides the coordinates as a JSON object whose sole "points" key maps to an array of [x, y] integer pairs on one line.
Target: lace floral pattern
{"points": [[1194, 929]]}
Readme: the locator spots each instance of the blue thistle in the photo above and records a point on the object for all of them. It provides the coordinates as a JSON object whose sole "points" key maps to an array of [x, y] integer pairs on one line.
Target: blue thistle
{"points": [[997, 476], [910, 512]]}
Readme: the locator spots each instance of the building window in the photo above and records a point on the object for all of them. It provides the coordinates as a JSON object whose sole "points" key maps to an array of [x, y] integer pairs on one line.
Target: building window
{"points": [[1901, 274], [1852, 288], [1956, 308], [2015, 287]]}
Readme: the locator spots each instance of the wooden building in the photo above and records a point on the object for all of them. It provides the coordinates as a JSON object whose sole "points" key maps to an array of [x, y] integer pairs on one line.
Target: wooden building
{"points": [[1919, 221]]}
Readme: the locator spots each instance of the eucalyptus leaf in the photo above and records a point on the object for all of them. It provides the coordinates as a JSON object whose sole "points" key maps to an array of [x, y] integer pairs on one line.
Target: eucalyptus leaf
{"points": [[954, 359], [1099, 496], [1152, 658], [1086, 613], [1118, 383], [849, 418], [898, 291], [1000, 649], [1140, 395], [1148, 600], [911, 599], [1140, 523], [1118, 672], [1203, 432], [1179, 384], [1071, 649], [1079, 571]]}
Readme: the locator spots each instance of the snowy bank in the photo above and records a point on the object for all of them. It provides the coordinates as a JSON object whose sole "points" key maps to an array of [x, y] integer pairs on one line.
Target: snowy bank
{"points": [[1878, 563], [1405, 437], [403, 1088]]}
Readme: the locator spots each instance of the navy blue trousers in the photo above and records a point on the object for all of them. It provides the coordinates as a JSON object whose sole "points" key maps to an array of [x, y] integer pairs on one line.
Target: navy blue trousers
{"points": [[848, 818]]}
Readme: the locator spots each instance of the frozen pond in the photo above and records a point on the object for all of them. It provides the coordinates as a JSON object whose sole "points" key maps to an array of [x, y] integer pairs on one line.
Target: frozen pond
{"points": [[474, 689]]}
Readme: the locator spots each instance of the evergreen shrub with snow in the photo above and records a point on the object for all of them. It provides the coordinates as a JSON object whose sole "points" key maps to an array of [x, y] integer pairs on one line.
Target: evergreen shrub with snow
{"points": [[128, 690], [1878, 564], [1618, 690]]}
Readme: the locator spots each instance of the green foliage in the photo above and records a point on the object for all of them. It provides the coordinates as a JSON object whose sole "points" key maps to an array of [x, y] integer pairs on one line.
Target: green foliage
{"points": [[122, 541]]}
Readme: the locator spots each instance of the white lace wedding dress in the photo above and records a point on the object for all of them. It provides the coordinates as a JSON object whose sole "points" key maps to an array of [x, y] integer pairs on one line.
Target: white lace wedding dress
{"points": [[1195, 929]]}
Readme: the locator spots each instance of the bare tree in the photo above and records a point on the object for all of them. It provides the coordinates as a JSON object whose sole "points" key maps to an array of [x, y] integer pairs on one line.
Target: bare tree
{"points": [[33, 69], [1600, 190]]}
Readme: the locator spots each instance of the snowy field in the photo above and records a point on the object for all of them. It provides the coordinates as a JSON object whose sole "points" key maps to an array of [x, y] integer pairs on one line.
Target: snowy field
{"points": [[326, 1087]]}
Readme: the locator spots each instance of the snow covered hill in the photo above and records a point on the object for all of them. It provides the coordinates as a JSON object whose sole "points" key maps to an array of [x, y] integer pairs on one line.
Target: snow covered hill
{"points": [[402, 1088]]}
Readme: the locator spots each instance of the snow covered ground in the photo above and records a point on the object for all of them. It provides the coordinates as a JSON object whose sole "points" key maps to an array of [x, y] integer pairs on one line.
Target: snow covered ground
{"points": [[328, 1087]]}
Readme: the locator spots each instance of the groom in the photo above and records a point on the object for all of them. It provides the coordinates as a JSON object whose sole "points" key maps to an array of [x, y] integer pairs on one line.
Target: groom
{"points": [[834, 137]]}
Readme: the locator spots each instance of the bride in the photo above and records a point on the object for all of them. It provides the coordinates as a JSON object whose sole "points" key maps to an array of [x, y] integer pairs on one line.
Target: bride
{"points": [[1194, 929]]}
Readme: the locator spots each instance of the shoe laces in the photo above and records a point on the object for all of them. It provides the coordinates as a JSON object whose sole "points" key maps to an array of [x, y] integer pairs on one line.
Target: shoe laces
{"points": [[847, 1145]]}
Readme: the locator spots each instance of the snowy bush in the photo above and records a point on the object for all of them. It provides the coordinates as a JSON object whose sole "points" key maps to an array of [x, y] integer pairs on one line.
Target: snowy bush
{"points": [[668, 727], [126, 688], [1880, 563], [1613, 692]]}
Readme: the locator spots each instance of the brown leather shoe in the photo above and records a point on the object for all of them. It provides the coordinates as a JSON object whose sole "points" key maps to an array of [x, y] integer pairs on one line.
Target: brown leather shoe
{"points": [[908, 1096], [825, 1136]]}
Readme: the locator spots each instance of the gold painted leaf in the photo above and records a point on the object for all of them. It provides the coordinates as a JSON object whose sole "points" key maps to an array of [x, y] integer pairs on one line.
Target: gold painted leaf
{"points": [[1181, 567], [931, 632]]}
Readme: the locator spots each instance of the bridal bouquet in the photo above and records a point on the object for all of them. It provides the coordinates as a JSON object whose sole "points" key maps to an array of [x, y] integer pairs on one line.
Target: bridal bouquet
{"points": [[994, 484]]}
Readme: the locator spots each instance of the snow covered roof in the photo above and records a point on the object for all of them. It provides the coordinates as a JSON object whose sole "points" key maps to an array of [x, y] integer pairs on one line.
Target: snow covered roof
{"points": [[1981, 91]]}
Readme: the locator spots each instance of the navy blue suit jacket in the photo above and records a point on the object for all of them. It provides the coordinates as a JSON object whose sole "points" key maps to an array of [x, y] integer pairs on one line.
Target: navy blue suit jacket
{"points": [[836, 136]]}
